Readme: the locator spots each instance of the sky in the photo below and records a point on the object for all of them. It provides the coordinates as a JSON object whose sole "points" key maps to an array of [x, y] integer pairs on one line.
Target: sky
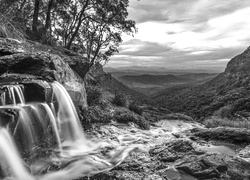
{"points": [[185, 34]]}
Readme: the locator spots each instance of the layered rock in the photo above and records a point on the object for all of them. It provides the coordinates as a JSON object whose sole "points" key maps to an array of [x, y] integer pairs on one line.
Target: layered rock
{"points": [[18, 65]]}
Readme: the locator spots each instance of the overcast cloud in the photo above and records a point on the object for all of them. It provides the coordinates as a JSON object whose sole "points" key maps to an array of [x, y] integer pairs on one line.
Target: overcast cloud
{"points": [[185, 33]]}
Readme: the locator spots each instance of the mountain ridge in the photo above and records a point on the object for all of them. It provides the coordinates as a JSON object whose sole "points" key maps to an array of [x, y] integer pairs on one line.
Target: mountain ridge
{"points": [[226, 92]]}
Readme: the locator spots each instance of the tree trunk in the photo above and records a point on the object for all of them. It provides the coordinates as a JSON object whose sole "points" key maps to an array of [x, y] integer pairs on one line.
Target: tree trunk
{"points": [[48, 16], [35, 15]]}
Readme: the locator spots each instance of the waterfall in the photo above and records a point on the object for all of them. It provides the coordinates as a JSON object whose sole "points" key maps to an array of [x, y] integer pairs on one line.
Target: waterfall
{"points": [[66, 114], [11, 162], [52, 127], [15, 94]]}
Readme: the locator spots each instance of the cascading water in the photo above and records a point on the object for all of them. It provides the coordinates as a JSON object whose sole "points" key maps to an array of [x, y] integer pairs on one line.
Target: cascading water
{"points": [[66, 114], [15, 94], [54, 128], [11, 162]]}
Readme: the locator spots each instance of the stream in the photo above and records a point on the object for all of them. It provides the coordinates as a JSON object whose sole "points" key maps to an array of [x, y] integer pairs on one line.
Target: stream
{"points": [[56, 146]]}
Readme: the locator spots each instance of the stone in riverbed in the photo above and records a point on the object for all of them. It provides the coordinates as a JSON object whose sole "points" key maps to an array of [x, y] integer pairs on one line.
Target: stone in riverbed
{"points": [[9, 117], [245, 153], [172, 151], [214, 166]]}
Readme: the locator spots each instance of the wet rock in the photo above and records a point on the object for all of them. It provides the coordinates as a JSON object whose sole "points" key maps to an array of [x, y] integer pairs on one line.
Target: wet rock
{"points": [[214, 166], [37, 91], [235, 135], [9, 117], [171, 151], [245, 153], [174, 174], [116, 175], [170, 173], [201, 167]]}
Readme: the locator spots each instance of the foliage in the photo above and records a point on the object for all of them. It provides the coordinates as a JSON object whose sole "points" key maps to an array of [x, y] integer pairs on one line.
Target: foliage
{"points": [[8, 29], [124, 116], [94, 94], [133, 106], [217, 121], [120, 99], [212, 98], [225, 112]]}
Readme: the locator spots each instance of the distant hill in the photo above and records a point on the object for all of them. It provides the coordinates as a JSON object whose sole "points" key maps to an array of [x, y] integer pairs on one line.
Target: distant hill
{"points": [[153, 79], [113, 85], [197, 76], [165, 79], [227, 93], [110, 85], [149, 84]]}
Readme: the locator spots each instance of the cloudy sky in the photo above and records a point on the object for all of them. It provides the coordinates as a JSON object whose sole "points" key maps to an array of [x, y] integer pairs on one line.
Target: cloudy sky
{"points": [[185, 33]]}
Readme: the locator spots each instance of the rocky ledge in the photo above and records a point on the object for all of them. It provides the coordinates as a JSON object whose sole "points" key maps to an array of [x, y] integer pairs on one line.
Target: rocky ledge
{"points": [[27, 62]]}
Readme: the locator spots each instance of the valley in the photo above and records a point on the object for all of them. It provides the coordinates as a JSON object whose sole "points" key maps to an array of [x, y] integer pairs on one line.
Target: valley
{"points": [[152, 84]]}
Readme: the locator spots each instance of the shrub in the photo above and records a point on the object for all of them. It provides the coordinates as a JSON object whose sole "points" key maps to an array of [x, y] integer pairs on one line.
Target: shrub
{"points": [[225, 112], [93, 114], [120, 99], [94, 94], [126, 117], [135, 108]]}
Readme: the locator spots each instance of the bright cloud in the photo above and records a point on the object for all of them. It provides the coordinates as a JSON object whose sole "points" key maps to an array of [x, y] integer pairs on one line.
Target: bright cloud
{"points": [[197, 33]]}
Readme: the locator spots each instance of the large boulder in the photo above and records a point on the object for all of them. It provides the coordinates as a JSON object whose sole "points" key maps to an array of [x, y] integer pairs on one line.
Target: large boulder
{"points": [[40, 65]]}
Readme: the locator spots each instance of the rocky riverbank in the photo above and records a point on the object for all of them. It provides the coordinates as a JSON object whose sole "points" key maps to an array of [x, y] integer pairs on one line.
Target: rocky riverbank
{"points": [[175, 150]]}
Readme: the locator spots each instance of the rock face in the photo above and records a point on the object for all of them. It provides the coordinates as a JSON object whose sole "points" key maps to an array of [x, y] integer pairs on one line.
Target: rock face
{"points": [[239, 65], [40, 65]]}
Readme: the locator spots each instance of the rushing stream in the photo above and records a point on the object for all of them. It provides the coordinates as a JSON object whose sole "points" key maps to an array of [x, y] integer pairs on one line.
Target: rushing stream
{"points": [[47, 142], [55, 128]]}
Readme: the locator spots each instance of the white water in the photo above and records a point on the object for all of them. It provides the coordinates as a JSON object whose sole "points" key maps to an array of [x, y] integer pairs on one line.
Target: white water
{"points": [[54, 124], [66, 115], [11, 162], [71, 147], [15, 93]]}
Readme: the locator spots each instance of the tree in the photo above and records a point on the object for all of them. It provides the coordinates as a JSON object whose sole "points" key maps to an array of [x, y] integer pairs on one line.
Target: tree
{"points": [[102, 30], [95, 27]]}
